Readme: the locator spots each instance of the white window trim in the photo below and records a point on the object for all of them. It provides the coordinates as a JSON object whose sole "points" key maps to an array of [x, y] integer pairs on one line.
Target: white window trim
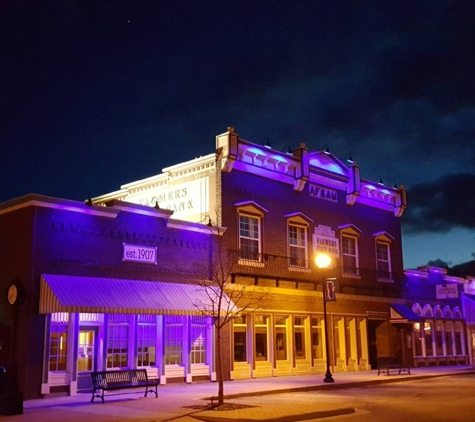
{"points": [[384, 239], [350, 230]]}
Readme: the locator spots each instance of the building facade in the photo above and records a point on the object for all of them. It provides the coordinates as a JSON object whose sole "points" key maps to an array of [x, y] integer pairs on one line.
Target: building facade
{"points": [[438, 317], [100, 288], [279, 209]]}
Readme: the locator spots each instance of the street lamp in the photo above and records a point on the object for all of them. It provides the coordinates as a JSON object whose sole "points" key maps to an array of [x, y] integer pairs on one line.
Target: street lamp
{"points": [[323, 261]]}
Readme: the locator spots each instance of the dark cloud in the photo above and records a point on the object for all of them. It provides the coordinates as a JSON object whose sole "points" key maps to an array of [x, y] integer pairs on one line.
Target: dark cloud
{"points": [[441, 206]]}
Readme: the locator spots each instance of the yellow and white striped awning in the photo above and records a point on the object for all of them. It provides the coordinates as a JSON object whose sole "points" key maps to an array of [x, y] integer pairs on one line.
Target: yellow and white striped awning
{"points": [[64, 293]]}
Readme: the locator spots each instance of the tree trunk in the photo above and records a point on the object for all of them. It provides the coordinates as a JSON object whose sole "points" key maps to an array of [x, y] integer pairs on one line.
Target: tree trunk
{"points": [[219, 367]]}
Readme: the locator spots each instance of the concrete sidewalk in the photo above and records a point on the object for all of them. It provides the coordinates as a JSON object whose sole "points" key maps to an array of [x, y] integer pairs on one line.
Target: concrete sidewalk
{"points": [[181, 402]]}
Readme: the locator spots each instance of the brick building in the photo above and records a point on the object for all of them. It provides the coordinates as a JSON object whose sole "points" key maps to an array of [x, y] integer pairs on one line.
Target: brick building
{"points": [[98, 288], [279, 209]]}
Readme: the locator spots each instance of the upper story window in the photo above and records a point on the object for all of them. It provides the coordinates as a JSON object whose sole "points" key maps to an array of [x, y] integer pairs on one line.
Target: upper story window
{"points": [[297, 239], [249, 237], [383, 256], [349, 249], [250, 217]]}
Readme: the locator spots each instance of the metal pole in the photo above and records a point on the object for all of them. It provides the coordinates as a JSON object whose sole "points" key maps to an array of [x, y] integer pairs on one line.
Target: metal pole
{"points": [[328, 374]]}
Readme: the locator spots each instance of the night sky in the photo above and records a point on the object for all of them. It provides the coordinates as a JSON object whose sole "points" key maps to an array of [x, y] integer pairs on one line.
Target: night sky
{"points": [[96, 94]]}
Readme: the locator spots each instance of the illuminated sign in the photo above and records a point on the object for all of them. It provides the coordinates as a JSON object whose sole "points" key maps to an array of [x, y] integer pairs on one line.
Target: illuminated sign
{"points": [[322, 193], [324, 240], [189, 200], [138, 253], [447, 291]]}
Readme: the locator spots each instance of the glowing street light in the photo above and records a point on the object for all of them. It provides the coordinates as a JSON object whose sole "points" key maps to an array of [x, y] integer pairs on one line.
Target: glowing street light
{"points": [[323, 260]]}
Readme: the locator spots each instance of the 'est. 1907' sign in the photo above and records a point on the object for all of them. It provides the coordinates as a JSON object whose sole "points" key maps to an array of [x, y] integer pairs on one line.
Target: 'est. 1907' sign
{"points": [[137, 253]]}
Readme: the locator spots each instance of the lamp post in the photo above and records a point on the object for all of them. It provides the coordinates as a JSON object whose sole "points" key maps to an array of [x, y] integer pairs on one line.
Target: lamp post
{"points": [[323, 261]]}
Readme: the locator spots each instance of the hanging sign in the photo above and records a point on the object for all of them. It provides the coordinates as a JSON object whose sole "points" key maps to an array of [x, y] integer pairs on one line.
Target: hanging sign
{"points": [[330, 295]]}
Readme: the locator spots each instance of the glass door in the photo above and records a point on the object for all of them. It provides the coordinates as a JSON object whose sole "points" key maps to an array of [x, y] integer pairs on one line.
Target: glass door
{"points": [[86, 358]]}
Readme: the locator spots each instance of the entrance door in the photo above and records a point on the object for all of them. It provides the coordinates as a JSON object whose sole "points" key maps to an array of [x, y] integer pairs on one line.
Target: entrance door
{"points": [[87, 351]]}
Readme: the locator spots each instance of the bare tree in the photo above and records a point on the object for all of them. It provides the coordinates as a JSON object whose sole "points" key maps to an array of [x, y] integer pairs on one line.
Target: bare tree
{"points": [[226, 300]]}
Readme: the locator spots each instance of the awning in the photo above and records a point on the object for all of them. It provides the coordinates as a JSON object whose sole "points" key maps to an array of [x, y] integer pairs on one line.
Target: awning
{"points": [[401, 314], [61, 293]]}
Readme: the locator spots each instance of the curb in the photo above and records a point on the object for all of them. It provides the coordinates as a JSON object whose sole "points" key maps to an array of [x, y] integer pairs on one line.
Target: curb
{"points": [[336, 386]]}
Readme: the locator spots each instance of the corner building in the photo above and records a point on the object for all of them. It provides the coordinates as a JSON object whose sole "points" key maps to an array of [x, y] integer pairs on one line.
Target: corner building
{"points": [[279, 209], [100, 288]]}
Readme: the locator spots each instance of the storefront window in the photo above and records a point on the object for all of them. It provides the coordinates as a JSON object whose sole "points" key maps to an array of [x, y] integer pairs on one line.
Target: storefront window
{"points": [[173, 340], [146, 340], [240, 339], [449, 326], [317, 346], [428, 338], [458, 338], [58, 347], [118, 341], [261, 337], [417, 339], [299, 338], [439, 339], [198, 343], [281, 337]]}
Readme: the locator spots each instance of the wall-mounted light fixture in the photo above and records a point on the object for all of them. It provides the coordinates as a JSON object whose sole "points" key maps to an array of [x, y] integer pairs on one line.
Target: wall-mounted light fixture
{"points": [[325, 149], [348, 158], [380, 180], [287, 150], [267, 144], [393, 184]]}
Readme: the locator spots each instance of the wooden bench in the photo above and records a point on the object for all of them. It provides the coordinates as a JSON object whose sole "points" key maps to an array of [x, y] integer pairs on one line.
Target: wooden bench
{"points": [[386, 363], [118, 380]]}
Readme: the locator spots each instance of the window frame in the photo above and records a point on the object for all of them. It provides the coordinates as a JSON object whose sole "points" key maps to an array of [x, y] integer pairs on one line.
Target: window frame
{"points": [[251, 210], [383, 239], [350, 231]]}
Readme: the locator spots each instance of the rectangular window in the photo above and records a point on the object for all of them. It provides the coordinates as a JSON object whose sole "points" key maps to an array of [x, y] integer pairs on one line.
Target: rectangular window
{"points": [[428, 338], [350, 254], [281, 337], [298, 245], [417, 339], [439, 338], [317, 345], [118, 341], [173, 340], [261, 337], [383, 260], [240, 339], [299, 338], [58, 347], [249, 237], [198, 343], [146, 340]]}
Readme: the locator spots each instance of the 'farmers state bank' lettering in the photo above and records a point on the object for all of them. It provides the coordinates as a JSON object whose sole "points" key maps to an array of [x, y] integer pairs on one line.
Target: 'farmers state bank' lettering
{"points": [[175, 200]]}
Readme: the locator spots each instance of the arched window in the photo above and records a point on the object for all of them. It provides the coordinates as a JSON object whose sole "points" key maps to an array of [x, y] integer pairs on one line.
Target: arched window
{"points": [[427, 311], [437, 311], [416, 308], [447, 312], [457, 313]]}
